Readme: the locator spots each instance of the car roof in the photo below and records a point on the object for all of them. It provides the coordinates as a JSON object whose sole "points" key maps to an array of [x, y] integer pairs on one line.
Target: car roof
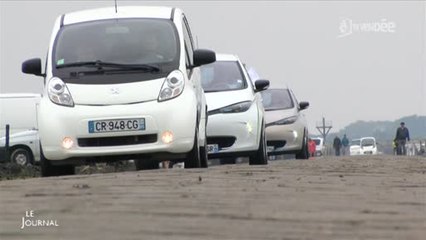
{"points": [[226, 57], [122, 12]]}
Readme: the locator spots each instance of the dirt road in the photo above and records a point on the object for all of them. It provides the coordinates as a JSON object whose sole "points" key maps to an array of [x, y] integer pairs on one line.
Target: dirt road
{"points": [[381, 197]]}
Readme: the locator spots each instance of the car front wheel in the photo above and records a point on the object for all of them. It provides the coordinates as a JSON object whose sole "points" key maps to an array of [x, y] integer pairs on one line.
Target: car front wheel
{"points": [[304, 152], [193, 159], [260, 157]]}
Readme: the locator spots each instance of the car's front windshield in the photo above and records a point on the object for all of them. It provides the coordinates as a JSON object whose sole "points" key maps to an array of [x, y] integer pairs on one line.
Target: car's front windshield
{"points": [[317, 141], [367, 142], [222, 76], [276, 99], [116, 44]]}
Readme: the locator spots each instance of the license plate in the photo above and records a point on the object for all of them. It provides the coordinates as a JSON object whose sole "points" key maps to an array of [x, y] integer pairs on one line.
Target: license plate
{"points": [[117, 125], [212, 148], [270, 148]]}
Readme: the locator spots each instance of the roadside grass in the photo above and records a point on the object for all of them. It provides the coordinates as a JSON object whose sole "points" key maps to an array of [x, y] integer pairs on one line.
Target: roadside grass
{"points": [[9, 171]]}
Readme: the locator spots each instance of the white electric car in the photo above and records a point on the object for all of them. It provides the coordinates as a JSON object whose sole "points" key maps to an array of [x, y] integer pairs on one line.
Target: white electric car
{"points": [[363, 146], [235, 125], [121, 84], [286, 125]]}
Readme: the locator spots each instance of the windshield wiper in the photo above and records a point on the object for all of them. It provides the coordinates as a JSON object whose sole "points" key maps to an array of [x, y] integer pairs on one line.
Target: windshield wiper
{"points": [[101, 65]]}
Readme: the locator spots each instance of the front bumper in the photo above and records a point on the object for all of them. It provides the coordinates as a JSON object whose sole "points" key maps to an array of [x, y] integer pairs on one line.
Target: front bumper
{"points": [[235, 133], [57, 122], [285, 138]]}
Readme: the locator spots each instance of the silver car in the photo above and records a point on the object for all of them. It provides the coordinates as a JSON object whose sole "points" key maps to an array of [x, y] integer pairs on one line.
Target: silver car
{"points": [[286, 126]]}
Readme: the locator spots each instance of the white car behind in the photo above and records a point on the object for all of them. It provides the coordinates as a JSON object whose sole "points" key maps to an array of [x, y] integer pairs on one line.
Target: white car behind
{"points": [[319, 146], [235, 126], [363, 146], [286, 125]]}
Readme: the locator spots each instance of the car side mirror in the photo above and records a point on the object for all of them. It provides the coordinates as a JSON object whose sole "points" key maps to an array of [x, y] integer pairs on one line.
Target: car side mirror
{"points": [[32, 66], [261, 85], [303, 105], [203, 57]]}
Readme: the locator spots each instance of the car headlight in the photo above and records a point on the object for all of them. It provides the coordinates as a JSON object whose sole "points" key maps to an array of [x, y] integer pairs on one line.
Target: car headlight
{"points": [[234, 108], [59, 93], [172, 87], [284, 121]]}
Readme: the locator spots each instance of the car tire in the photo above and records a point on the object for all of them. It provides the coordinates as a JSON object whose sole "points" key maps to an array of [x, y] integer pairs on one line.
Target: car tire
{"points": [[146, 164], [193, 159], [204, 157], [304, 152], [228, 160], [260, 157], [21, 156], [49, 170]]}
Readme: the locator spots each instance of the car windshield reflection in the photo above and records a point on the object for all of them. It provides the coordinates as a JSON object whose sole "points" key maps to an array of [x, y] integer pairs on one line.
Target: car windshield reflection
{"points": [[276, 99], [126, 41], [222, 76]]}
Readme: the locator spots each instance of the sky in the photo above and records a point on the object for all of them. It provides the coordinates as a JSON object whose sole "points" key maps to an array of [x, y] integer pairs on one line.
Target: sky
{"points": [[352, 60]]}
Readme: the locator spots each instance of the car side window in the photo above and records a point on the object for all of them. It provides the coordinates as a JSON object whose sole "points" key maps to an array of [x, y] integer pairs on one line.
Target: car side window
{"points": [[189, 48]]}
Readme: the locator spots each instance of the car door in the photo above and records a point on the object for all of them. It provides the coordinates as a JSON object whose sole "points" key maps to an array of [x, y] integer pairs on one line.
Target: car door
{"points": [[193, 73]]}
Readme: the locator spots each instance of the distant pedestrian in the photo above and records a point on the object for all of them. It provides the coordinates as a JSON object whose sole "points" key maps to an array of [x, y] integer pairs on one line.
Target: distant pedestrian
{"points": [[337, 144], [401, 138], [345, 145], [312, 147]]}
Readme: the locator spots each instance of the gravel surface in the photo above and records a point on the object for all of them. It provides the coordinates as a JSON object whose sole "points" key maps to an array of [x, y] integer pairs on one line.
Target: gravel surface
{"points": [[370, 197]]}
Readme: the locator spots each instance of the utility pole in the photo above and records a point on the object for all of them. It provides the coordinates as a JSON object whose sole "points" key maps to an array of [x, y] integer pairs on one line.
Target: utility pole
{"points": [[324, 127]]}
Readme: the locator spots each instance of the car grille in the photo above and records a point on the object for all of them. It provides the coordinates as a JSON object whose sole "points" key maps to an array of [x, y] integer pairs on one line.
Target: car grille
{"points": [[117, 141], [223, 142]]}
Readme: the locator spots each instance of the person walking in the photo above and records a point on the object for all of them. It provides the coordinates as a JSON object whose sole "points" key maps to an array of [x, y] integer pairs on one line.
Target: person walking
{"points": [[401, 138], [337, 144], [345, 145]]}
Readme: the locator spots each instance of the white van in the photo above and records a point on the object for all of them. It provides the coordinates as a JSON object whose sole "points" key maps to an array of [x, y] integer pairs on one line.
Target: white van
{"points": [[122, 84], [19, 111], [319, 146]]}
